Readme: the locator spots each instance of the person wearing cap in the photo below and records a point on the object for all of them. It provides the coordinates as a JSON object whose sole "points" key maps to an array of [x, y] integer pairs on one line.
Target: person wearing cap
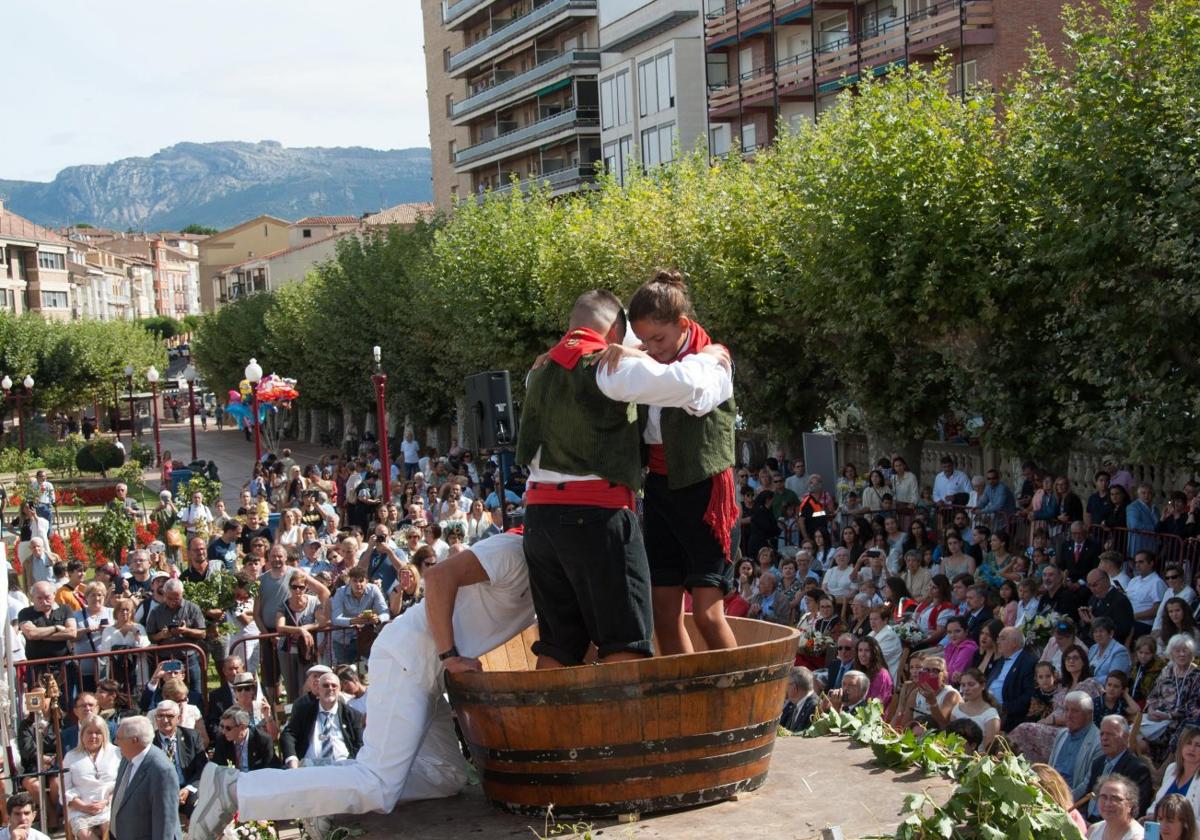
{"points": [[312, 558], [476, 600]]}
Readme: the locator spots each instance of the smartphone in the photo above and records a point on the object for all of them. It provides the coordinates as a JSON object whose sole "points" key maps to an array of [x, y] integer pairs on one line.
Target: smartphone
{"points": [[172, 666], [928, 681], [1151, 830]]}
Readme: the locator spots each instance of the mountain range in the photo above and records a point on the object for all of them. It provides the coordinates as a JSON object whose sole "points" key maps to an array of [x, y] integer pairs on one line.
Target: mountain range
{"points": [[222, 184]]}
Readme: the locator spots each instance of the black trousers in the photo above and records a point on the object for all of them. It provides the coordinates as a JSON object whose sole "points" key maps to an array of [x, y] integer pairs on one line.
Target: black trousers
{"points": [[590, 581]]}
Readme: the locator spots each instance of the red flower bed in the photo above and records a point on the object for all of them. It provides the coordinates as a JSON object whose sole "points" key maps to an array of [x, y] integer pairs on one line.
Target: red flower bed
{"points": [[57, 545], [87, 495]]}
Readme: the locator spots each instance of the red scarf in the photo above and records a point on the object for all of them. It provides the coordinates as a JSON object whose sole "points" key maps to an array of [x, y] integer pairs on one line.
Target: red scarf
{"points": [[576, 344], [722, 510]]}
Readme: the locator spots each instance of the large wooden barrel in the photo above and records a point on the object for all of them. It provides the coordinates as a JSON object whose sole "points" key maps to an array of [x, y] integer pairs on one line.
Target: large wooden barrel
{"points": [[630, 737]]}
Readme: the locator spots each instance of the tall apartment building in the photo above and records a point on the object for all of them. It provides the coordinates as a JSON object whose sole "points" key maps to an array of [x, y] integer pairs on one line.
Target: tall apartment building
{"points": [[33, 268], [785, 60], [512, 91], [652, 92]]}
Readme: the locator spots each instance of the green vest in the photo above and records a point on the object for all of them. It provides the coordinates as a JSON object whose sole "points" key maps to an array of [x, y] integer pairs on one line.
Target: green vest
{"points": [[578, 429], [696, 447]]}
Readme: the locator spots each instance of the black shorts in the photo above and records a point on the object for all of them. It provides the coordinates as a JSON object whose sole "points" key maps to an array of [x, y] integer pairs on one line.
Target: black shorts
{"points": [[682, 549], [590, 581]]}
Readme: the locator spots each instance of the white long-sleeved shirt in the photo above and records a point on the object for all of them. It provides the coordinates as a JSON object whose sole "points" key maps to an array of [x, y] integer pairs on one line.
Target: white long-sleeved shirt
{"points": [[697, 383]]}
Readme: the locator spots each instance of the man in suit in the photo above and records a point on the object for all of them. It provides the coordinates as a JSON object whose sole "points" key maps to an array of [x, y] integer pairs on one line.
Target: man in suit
{"points": [[326, 732], [222, 698], [241, 745], [1077, 553], [840, 661], [1076, 746], [1116, 758], [801, 701], [1107, 600], [1010, 677], [977, 613], [145, 804], [182, 749]]}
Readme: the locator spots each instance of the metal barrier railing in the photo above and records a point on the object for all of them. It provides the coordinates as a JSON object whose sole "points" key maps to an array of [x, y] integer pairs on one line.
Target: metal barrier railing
{"points": [[66, 682], [324, 645]]}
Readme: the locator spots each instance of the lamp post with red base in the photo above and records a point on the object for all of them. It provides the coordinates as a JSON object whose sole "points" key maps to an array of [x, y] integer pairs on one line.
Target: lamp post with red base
{"points": [[132, 418], [254, 374], [379, 379], [152, 378], [6, 384], [189, 374]]}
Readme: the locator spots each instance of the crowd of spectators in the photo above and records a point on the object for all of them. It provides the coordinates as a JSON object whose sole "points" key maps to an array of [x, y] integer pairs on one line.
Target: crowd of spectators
{"points": [[319, 561], [1032, 620], [1063, 628]]}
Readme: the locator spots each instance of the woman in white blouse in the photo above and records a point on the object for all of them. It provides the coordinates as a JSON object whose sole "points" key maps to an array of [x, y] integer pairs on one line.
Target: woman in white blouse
{"points": [[91, 775], [839, 578], [124, 633], [290, 534]]}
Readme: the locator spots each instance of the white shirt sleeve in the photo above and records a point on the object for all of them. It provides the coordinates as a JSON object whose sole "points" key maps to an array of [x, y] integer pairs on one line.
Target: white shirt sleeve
{"points": [[502, 557], [697, 383]]}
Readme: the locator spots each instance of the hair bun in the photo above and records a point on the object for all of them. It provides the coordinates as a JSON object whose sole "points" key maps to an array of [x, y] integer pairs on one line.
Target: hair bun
{"points": [[670, 276]]}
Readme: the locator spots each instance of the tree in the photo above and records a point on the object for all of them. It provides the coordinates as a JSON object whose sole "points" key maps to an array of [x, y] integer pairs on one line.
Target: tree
{"points": [[162, 326], [200, 230], [226, 340]]}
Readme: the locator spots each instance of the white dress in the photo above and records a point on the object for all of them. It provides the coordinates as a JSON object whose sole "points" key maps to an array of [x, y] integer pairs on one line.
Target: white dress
{"points": [[90, 780], [980, 719]]}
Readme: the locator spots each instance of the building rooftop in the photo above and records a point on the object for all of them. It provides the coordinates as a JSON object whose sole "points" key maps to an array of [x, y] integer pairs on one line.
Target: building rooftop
{"points": [[327, 220], [274, 254], [13, 226], [400, 214]]}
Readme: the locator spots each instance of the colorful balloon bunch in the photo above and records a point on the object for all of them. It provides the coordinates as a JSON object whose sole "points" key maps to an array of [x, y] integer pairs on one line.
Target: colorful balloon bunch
{"points": [[274, 392]]}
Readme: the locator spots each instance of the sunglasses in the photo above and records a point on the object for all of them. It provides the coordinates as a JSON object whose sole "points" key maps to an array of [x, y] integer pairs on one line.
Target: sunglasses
{"points": [[228, 727], [245, 687], [1174, 577], [845, 647], [297, 588]]}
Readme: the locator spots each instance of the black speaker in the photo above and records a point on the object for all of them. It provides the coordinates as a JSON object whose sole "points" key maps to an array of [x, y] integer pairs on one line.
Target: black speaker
{"points": [[491, 418]]}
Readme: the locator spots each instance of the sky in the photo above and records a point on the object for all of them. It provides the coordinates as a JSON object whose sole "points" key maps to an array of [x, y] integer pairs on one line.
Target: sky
{"points": [[96, 82]]}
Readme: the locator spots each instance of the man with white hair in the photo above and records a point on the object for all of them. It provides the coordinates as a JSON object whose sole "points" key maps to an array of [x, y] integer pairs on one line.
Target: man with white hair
{"points": [[1116, 758], [474, 601], [41, 561], [1010, 677], [183, 749], [145, 803], [851, 695], [1077, 746], [46, 626]]}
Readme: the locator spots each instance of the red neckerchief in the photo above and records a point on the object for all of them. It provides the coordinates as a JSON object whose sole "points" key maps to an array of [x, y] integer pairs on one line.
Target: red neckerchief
{"points": [[697, 340], [576, 344]]}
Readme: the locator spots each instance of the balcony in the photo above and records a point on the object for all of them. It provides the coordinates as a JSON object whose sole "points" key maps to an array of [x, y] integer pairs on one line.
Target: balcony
{"points": [[561, 181], [542, 17], [514, 86], [839, 63], [454, 12], [535, 133]]}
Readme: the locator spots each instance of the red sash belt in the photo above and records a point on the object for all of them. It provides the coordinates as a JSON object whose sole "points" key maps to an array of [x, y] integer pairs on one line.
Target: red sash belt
{"points": [[593, 493], [658, 459]]}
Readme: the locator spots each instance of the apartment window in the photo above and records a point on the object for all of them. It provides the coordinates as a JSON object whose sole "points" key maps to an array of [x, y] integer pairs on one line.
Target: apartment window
{"points": [[650, 148], [3, 255], [8, 298], [966, 75], [54, 300], [877, 16], [718, 69], [449, 104], [666, 80], [656, 84], [658, 145], [612, 162], [835, 30], [52, 261], [718, 139], [647, 88], [621, 90], [749, 137], [745, 62], [624, 152], [608, 103], [452, 148], [446, 59]]}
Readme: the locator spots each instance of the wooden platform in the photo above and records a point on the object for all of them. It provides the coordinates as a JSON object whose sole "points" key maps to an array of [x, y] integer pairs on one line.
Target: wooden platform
{"points": [[813, 784]]}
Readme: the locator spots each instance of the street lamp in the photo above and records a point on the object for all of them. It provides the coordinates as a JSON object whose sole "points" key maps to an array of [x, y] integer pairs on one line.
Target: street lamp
{"points": [[132, 419], [380, 381], [189, 374], [254, 376], [6, 384], [152, 378]]}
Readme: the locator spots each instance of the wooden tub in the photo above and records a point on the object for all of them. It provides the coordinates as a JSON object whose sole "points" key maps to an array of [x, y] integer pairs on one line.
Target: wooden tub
{"points": [[629, 737]]}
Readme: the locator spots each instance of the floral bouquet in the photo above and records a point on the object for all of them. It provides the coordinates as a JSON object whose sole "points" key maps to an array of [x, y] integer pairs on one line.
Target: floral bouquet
{"points": [[813, 642], [1039, 629], [250, 830], [911, 634]]}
